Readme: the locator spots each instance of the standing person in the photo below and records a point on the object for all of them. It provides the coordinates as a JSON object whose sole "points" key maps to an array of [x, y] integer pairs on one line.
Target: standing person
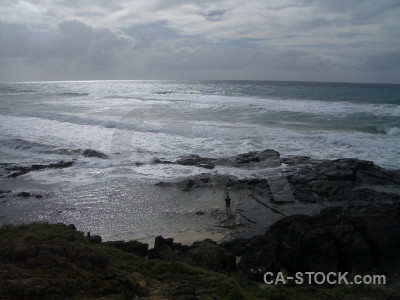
{"points": [[228, 205]]}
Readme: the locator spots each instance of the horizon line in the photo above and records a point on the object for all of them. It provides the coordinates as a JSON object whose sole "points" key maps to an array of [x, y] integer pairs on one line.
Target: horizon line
{"points": [[188, 80]]}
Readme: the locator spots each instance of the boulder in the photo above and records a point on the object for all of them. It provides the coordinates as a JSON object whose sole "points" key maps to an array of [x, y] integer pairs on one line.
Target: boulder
{"points": [[94, 239], [338, 240], [94, 153], [208, 254], [258, 156], [247, 157], [258, 255], [22, 170], [23, 194], [134, 247], [166, 249], [195, 160]]}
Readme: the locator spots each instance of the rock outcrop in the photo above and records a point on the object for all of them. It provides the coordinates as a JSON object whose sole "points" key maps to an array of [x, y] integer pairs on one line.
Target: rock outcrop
{"points": [[42, 261], [94, 153], [134, 247], [356, 240], [191, 160], [13, 171]]}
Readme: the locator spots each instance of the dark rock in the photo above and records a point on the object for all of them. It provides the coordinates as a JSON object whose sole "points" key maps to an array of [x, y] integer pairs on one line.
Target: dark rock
{"points": [[160, 242], [237, 246], [258, 156], [191, 160], [362, 241], [247, 157], [189, 186], [166, 249], [295, 159], [195, 160], [165, 162], [94, 239], [179, 247], [94, 153], [153, 253], [134, 247], [24, 194], [339, 180], [22, 170], [60, 165], [18, 173], [38, 167], [72, 226], [209, 255]]}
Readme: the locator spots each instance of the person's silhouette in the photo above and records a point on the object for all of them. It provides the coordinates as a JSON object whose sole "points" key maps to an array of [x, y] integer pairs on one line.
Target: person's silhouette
{"points": [[228, 204]]}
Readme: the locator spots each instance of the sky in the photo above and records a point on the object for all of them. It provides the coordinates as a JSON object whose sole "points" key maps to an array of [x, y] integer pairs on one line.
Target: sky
{"points": [[306, 40]]}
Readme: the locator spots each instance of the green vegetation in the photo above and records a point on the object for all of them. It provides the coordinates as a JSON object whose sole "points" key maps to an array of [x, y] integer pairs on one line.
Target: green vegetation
{"points": [[42, 261]]}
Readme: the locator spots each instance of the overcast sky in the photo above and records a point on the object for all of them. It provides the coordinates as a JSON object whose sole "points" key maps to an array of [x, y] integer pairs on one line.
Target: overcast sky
{"points": [[308, 40]]}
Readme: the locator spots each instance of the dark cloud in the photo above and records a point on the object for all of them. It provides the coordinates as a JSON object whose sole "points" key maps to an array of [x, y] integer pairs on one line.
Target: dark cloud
{"points": [[389, 61], [76, 48], [308, 40]]}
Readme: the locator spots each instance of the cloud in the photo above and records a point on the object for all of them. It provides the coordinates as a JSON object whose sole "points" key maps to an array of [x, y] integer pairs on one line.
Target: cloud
{"points": [[21, 12], [75, 48], [290, 39], [78, 51]]}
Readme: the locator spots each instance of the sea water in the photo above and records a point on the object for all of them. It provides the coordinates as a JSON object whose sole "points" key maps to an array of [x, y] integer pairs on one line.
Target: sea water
{"points": [[136, 123]]}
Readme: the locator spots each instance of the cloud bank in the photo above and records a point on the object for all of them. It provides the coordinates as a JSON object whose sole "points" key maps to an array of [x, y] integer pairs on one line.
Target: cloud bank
{"points": [[349, 40]]}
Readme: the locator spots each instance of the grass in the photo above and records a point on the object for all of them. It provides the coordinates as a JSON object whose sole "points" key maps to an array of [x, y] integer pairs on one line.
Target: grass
{"points": [[73, 268]]}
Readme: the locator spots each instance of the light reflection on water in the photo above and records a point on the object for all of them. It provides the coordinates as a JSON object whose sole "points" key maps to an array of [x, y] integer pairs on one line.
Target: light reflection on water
{"points": [[117, 209]]}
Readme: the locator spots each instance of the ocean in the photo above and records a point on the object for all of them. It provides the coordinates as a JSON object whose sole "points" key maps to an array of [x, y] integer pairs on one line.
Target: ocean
{"points": [[136, 123]]}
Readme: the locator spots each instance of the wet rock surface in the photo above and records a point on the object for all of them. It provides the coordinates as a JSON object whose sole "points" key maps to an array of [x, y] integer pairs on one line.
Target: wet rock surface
{"points": [[191, 160], [284, 186], [94, 153], [295, 213], [9, 170], [13, 171]]}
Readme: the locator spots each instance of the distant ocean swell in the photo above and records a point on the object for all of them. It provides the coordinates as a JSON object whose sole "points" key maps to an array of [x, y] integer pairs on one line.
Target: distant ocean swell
{"points": [[139, 120]]}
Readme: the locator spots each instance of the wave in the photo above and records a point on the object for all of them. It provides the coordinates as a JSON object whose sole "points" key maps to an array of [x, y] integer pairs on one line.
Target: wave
{"points": [[372, 129], [169, 126], [72, 94], [10, 90], [40, 148], [164, 92], [393, 131]]}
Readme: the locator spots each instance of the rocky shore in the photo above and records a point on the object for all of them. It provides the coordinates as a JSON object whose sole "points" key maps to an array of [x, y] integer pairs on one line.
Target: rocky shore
{"points": [[363, 241], [293, 214], [42, 261], [285, 186]]}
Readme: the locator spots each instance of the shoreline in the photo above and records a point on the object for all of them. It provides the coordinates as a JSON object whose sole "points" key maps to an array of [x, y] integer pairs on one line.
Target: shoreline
{"points": [[298, 214], [283, 186], [187, 238]]}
